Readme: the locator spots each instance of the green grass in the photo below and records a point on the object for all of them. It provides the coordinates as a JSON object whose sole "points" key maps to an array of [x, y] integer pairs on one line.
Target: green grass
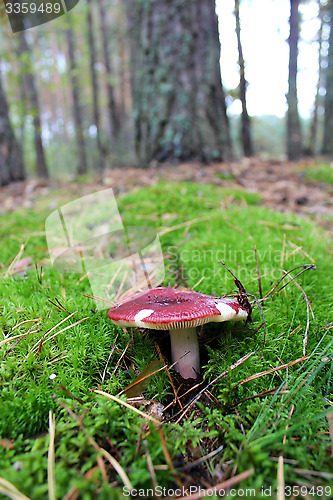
{"points": [[227, 225], [322, 172]]}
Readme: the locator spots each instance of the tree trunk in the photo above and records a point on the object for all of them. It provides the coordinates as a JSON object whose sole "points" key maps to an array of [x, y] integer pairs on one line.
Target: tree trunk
{"points": [[328, 118], [312, 146], [246, 129], [294, 139], [94, 82], [11, 161], [178, 99], [114, 123], [31, 91], [82, 166]]}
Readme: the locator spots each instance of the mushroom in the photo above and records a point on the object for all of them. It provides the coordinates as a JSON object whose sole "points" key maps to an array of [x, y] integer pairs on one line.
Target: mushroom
{"points": [[180, 312]]}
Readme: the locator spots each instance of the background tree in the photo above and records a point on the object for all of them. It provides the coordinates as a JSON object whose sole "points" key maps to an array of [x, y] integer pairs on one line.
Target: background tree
{"points": [[11, 161], [113, 115], [77, 114], [27, 73], [313, 136], [94, 83], [178, 99], [294, 138], [327, 147], [246, 130]]}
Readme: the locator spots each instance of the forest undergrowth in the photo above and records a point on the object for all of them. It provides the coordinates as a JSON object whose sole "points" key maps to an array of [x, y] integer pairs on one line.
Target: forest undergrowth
{"points": [[260, 415]]}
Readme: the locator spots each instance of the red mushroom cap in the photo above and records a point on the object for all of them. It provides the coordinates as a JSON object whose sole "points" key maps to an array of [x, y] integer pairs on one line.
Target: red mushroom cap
{"points": [[165, 308]]}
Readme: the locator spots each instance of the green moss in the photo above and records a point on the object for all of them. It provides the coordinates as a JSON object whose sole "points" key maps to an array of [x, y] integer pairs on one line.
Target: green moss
{"points": [[210, 224]]}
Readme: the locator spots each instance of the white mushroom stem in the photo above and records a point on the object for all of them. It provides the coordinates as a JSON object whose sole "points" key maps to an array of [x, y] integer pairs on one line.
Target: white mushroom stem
{"points": [[185, 340]]}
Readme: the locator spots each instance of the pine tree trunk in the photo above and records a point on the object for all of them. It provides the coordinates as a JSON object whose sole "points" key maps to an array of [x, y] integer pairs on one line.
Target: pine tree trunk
{"points": [[178, 99], [328, 118], [247, 141], [94, 81], [312, 146], [11, 161], [114, 123], [77, 115], [294, 139], [31, 91]]}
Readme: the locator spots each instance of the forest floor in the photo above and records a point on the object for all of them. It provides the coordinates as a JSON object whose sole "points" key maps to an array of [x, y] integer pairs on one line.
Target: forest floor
{"points": [[283, 186]]}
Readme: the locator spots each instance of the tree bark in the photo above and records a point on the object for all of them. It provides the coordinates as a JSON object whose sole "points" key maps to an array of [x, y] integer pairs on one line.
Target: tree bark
{"points": [[94, 82], [294, 138], [77, 115], [178, 99], [31, 91], [113, 115], [246, 130], [11, 161], [327, 148]]}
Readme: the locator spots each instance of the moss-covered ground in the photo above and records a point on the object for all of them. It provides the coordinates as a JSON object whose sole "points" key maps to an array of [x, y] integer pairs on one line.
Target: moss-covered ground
{"points": [[244, 421]]}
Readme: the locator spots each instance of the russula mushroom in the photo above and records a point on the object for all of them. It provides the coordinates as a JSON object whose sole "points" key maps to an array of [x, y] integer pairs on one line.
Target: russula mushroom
{"points": [[180, 312]]}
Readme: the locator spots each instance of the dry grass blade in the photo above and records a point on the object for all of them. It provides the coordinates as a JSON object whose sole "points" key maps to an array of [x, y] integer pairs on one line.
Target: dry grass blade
{"points": [[26, 321], [108, 360], [220, 486], [9, 490], [150, 465], [61, 331], [121, 357], [116, 465], [272, 370], [308, 309], [186, 224], [52, 329], [283, 390], [280, 479], [50, 459], [100, 299], [280, 469], [127, 405], [21, 335], [14, 261]]}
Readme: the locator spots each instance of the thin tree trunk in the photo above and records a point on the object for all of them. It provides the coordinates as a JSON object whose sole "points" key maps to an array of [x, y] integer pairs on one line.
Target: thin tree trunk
{"points": [[94, 81], [294, 138], [82, 165], [11, 161], [178, 98], [113, 116], [31, 90], [312, 146], [328, 118], [247, 141]]}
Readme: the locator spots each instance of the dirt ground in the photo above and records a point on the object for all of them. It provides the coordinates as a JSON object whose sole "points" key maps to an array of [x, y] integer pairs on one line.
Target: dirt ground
{"points": [[281, 185]]}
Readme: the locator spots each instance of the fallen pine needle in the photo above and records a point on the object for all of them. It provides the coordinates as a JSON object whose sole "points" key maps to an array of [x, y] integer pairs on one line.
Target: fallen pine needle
{"points": [[16, 337], [9, 490], [53, 328], [272, 370], [117, 400]]}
